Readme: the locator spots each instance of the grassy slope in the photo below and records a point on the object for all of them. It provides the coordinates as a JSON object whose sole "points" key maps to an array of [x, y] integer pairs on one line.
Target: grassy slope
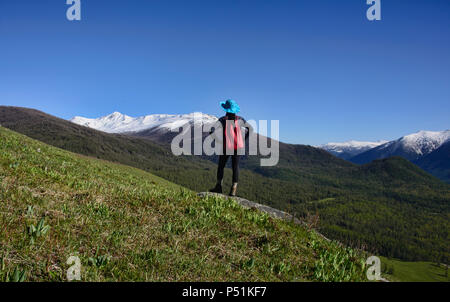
{"points": [[414, 271], [148, 228]]}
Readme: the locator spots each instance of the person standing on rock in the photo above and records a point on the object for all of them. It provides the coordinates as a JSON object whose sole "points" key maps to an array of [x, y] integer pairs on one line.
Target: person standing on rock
{"points": [[233, 143]]}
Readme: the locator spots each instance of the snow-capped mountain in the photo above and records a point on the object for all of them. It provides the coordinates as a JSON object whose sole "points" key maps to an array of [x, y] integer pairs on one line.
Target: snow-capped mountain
{"points": [[349, 149], [423, 142], [411, 147], [120, 123], [437, 162]]}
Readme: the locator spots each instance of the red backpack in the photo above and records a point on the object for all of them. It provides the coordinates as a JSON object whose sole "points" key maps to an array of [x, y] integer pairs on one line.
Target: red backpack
{"points": [[233, 135]]}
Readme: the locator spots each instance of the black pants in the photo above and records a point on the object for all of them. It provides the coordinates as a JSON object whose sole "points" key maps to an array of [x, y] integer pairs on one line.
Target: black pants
{"points": [[223, 161]]}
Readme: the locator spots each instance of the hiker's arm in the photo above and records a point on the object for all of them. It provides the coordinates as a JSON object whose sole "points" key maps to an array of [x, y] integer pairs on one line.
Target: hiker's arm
{"points": [[249, 131], [249, 128]]}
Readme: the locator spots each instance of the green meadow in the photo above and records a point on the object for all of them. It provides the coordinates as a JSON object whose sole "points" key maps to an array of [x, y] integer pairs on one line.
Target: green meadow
{"points": [[397, 270]]}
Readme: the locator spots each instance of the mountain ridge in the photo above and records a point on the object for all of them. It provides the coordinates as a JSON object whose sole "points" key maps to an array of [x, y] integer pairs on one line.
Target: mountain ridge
{"points": [[411, 146], [414, 147], [437, 162], [117, 122], [162, 128], [350, 148]]}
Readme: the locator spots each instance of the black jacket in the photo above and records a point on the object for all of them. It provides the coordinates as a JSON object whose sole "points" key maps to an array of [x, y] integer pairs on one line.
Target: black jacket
{"points": [[241, 121]]}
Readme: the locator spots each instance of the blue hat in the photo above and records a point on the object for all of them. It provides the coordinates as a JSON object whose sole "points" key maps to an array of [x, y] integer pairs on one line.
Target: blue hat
{"points": [[230, 106]]}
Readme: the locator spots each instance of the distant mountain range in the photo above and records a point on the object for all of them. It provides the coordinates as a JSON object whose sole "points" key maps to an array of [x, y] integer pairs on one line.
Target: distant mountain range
{"points": [[157, 127], [350, 149], [411, 147], [427, 149], [120, 123], [414, 147]]}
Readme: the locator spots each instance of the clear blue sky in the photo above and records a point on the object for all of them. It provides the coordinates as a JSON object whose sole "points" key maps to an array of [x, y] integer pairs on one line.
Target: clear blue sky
{"points": [[319, 66]]}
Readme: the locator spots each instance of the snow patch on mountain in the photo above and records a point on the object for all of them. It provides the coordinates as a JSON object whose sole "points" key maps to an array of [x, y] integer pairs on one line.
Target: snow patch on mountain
{"points": [[410, 146], [420, 143], [120, 123], [351, 146]]}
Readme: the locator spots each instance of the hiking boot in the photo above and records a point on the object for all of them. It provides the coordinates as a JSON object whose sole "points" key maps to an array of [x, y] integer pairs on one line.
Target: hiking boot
{"points": [[233, 189], [217, 189]]}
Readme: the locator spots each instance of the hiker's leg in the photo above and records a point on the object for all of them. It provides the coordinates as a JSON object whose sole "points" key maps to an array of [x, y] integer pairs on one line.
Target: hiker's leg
{"points": [[235, 163], [220, 170]]}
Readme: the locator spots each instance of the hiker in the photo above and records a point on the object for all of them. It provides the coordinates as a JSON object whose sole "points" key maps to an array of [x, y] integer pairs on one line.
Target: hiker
{"points": [[233, 142]]}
